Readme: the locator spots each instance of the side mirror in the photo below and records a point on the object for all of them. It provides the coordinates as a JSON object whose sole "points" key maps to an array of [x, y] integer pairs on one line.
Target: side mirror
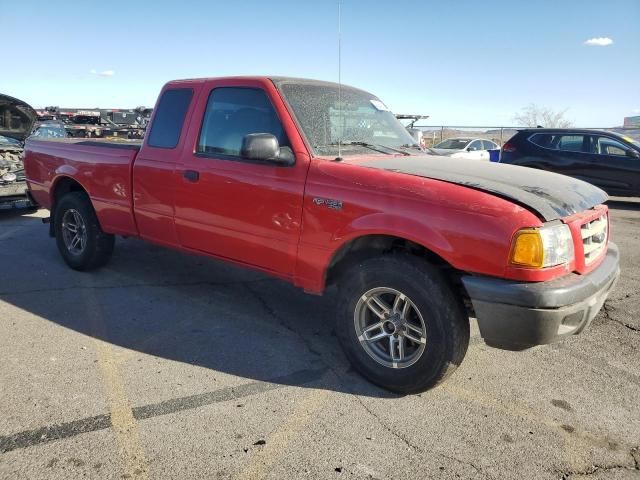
{"points": [[468, 149], [633, 153], [265, 147]]}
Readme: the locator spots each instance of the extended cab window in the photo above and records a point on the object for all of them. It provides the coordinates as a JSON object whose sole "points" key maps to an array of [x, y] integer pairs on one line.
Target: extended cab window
{"points": [[232, 113], [169, 118]]}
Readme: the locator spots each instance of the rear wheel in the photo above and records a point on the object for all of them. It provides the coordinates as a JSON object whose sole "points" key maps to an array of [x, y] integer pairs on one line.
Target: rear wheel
{"points": [[80, 240], [400, 323]]}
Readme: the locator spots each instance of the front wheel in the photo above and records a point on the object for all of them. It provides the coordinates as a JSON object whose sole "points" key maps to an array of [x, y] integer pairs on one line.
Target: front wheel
{"points": [[400, 323], [80, 240]]}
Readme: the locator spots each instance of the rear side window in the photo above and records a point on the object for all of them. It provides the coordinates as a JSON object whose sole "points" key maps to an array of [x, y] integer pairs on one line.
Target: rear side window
{"points": [[570, 143], [232, 113], [544, 140], [489, 145], [567, 143], [169, 118]]}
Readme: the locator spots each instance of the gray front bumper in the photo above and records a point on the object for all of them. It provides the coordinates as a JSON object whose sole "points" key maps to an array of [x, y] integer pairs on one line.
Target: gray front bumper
{"points": [[517, 315]]}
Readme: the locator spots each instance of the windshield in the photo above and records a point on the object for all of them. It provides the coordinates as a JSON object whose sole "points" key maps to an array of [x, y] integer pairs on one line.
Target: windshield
{"points": [[360, 117], [454, 144], [633, 141], [50, 131], [9, 141]]}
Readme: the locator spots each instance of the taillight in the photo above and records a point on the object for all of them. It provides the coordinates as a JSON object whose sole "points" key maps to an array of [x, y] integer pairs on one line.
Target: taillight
{"points": [[509, 147]]}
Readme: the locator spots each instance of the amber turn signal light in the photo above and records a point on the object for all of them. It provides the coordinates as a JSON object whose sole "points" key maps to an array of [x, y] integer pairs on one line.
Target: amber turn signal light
{"points": [[528, 249]]}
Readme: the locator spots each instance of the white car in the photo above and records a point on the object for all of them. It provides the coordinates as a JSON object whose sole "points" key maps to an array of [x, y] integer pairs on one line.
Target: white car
{"points": [[462, 147]]}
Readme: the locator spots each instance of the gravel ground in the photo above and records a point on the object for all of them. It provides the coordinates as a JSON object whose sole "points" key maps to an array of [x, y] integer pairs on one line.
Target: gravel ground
{"points": [[165, 365]]}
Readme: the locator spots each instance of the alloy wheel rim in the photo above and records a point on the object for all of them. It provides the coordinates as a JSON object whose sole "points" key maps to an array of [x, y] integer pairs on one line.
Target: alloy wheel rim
{"points": [[390, 328], [74, 232]]}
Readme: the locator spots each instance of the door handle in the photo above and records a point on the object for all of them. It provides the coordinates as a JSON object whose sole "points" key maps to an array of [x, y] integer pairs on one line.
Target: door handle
{"points": [[191, 175]]}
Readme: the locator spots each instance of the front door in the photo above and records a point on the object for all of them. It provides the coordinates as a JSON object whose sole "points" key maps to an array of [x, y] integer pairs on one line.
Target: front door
{"points": [[247, 211], [475, 151], [612, 168]]}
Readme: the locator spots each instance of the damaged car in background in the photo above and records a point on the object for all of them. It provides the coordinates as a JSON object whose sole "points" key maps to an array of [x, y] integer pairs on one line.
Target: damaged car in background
{"points": [[16, 121]]}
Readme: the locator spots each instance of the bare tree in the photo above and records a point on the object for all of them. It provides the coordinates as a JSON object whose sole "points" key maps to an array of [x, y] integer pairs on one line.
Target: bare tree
{"points": [[534, 116]]}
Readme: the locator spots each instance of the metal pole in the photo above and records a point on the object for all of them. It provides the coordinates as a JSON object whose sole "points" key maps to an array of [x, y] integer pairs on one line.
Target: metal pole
{"points": [[340, 79], [441, 132], [501, 142]]}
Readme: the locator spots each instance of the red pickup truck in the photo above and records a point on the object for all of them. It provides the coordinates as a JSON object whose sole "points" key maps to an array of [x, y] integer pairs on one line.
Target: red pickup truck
{"points": [[319, 184]]}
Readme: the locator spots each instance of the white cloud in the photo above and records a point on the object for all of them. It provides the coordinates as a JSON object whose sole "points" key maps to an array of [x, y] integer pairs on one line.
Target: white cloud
{"points": [[599, 41], [104, 73]]}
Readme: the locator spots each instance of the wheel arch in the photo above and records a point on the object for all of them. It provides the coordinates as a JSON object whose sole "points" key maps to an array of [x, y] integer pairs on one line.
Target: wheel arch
{"points": [[368, 246], [59, 188]]}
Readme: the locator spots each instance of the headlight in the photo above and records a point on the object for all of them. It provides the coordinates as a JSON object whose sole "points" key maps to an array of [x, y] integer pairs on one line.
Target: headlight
{"points": [[542, 247]]}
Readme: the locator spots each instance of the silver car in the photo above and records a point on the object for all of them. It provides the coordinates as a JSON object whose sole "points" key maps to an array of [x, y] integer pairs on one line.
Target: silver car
{"points": [[465, 147]]}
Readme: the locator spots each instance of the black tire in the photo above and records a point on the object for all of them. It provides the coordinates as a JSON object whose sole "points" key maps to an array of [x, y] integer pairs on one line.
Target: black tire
{"points": [[444, 317], [98, 246]]}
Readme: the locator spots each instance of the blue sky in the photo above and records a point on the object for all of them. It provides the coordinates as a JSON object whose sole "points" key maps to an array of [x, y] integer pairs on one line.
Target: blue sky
{"points": [[464, 62]]}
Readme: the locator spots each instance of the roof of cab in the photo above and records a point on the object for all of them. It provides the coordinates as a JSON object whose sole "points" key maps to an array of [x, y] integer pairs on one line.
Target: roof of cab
{"points": [[277, 80]]}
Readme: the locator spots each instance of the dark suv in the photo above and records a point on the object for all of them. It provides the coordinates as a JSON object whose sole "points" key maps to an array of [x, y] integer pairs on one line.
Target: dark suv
{"points": [[605, 159]]}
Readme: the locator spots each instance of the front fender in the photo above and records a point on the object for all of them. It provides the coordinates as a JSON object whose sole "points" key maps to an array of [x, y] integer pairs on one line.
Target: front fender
{"points": [[380, 223], [315, 259], [469, 229]]}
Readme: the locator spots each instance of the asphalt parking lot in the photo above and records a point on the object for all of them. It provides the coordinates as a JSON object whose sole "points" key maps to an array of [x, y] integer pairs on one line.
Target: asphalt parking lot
{"points": [[165, 365]]}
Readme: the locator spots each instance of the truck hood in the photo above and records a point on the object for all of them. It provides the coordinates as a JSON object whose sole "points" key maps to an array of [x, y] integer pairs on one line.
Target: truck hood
{"points": [[16, 118], [550, 195]]}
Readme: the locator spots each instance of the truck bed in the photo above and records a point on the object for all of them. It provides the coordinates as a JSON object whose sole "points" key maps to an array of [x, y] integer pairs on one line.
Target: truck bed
{"points": [[122, 143], [103, 168]]}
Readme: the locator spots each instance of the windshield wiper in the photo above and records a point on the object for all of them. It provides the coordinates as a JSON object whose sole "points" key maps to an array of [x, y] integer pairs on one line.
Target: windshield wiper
{"points": [[412, 145], [372, 146]]}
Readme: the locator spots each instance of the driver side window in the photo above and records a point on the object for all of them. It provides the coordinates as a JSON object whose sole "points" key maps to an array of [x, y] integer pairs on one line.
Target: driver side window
{"points": [[608, 146], [475, 146], [231, 114]]}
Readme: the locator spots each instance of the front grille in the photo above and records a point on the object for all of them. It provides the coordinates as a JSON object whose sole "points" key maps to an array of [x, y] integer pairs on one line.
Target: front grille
{"points": [[594, 238]]}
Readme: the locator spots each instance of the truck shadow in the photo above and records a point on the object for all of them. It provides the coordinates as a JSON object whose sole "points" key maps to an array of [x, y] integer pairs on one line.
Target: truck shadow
{"points": [[161, 303], [13, 214]]}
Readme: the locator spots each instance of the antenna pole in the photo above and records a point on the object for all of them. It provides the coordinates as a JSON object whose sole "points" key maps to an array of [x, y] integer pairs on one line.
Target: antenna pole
{"points": [[341, 120]]}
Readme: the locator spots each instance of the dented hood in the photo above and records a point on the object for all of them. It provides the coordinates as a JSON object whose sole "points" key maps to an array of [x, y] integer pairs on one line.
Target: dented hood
{"points": [[16, 118], [550, 195]]}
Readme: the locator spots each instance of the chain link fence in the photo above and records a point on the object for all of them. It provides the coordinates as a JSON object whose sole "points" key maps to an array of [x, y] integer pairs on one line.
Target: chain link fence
{"points": [[434, 134]]}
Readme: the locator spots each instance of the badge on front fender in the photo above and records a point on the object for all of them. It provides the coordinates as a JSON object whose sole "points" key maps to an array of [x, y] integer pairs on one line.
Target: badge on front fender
{"points": [[328, 202]]}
